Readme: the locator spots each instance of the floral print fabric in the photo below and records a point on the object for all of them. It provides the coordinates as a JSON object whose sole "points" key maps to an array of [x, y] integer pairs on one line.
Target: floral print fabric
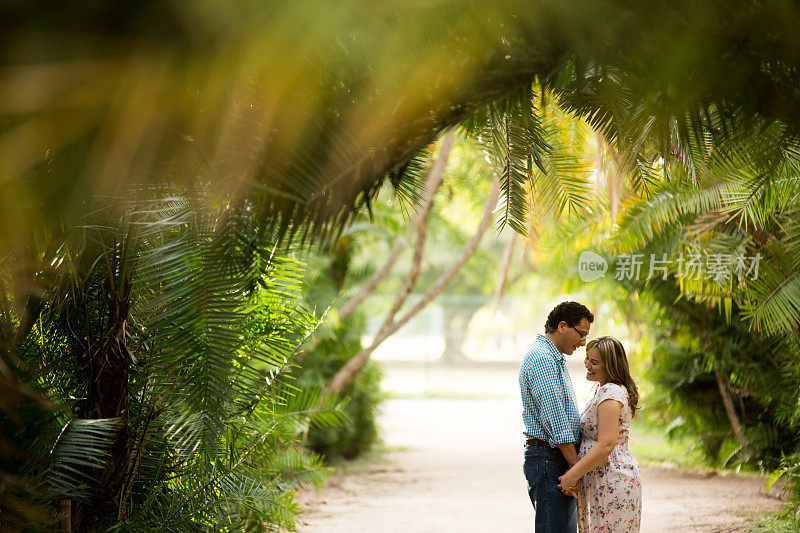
{"points": [[610, 499]]}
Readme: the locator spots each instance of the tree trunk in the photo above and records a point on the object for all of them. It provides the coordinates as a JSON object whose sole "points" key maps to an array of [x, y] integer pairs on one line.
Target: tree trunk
{"points": [[432, 185], [727, 402], [505, 268], [456, 320], [354, 365]]}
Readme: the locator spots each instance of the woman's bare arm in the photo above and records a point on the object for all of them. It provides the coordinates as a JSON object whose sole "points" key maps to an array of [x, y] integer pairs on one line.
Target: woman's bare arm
{"points": [[608, 432]]}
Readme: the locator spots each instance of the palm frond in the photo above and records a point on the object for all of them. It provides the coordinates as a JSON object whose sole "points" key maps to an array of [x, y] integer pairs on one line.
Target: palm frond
{"points": [[80, 455]]}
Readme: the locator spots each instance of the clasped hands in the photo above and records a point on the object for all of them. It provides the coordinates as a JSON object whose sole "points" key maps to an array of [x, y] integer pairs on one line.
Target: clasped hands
{"points": [[568, 484]]}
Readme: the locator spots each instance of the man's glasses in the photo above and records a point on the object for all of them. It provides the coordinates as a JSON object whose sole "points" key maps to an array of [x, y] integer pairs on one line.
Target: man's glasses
{"points": [[582, 334]]}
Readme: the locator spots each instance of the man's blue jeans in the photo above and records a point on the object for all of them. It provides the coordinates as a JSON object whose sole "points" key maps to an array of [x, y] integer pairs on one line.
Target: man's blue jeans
{"points": [[555, 512]]}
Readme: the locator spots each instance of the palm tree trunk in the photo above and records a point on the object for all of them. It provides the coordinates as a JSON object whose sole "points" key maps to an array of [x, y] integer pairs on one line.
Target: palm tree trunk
{"points": [[66, 514], [108, 398], [354, 365]]}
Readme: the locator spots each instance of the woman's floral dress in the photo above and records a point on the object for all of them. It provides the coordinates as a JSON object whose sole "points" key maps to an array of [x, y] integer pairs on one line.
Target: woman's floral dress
{"points": [[611, 495]]}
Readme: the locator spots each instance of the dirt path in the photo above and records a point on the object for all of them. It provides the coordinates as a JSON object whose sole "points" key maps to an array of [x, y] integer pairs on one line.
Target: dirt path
{"points": [[457, 468], [457, 465]]}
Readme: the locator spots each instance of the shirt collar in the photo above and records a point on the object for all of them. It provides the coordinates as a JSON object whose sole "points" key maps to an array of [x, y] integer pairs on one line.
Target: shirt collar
{"points": [[558, 356]]}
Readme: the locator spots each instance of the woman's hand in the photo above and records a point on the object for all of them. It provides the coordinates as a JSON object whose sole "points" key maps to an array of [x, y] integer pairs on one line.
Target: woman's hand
{"points": [[572, 491], [568, 483]]}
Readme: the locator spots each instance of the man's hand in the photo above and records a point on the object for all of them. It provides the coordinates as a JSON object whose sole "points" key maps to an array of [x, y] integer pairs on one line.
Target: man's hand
{"points": [[568, 483]]}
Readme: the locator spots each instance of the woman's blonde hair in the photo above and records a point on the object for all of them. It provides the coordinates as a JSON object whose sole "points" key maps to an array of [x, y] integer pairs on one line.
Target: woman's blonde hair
{"points": [[617, 369]]}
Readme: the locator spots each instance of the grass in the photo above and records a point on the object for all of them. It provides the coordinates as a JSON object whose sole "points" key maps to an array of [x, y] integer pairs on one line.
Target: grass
{"points": [[651, 447], [780, 522]]}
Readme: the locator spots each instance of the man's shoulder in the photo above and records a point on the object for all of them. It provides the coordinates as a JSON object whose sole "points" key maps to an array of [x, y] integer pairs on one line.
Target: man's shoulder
{"points": [[540, 347], [539, 354]]}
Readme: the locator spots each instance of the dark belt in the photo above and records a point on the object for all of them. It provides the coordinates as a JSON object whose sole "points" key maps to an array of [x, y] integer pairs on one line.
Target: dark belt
{"points": [[537, 442]]}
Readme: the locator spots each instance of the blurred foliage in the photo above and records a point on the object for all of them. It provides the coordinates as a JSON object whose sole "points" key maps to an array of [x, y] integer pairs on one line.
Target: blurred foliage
{"points": [[334, 343], [364, 395], [307, 107]]}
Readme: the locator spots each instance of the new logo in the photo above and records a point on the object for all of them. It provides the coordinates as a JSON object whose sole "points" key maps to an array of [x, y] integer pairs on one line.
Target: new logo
{"points": [[591, 266]]}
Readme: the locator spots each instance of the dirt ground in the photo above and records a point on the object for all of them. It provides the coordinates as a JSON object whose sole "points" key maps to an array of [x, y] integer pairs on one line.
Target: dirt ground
{"points": [[455, 465]]}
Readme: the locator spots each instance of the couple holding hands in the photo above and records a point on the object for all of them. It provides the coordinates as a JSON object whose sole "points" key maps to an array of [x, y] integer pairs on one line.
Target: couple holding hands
{"points": [[581, 474]]}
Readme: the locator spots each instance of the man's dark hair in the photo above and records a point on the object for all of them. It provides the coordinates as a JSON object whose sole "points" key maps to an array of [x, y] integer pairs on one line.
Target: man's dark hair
{"points": [[569, 312]]}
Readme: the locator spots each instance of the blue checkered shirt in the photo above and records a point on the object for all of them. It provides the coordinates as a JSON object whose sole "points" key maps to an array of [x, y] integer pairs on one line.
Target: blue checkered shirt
{"points": [[549, 409]]}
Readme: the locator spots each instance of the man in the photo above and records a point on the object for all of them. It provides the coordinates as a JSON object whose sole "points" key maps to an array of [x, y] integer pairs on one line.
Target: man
{"points": [[550, 415]]}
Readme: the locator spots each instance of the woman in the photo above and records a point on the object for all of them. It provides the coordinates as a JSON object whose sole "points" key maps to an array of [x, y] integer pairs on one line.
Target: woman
{"points": [[606, 477]]}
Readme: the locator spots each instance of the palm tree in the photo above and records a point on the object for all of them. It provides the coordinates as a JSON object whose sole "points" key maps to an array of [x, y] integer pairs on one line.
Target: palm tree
{"points": [[166, 346]]}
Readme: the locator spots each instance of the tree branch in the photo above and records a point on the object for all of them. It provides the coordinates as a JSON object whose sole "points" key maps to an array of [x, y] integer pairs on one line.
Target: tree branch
{"points": [[422, 234], [354, 365], [505, 267], [433, 183]]}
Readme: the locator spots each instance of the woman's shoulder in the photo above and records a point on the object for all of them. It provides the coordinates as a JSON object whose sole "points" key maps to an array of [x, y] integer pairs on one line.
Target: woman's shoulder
{"points": [[613, 390]]}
